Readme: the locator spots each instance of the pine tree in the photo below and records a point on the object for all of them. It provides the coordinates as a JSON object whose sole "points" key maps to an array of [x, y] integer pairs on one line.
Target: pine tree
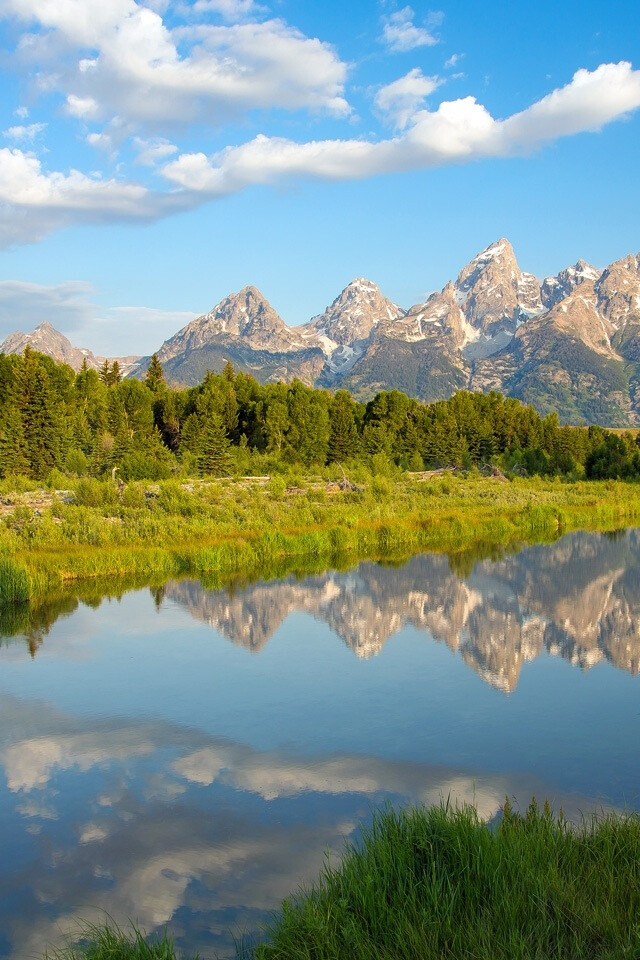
{"points": [[343, 438], [154, 378], [213, 453], [13, 451]]}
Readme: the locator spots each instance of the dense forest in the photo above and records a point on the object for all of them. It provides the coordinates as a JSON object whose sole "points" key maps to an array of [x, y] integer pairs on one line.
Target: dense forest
{"points": [[88, 423]]}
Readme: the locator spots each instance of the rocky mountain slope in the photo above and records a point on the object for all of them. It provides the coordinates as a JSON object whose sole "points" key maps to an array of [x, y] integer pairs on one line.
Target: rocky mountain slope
{"points": [[570, 343], [46, 339]]}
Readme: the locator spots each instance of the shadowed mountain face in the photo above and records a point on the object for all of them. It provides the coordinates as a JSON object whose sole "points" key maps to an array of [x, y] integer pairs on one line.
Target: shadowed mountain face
{"points": [[578, 599]]}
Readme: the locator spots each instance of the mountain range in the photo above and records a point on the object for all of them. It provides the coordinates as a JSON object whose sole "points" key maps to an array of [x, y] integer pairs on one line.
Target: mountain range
{"points": [[569, 344]]}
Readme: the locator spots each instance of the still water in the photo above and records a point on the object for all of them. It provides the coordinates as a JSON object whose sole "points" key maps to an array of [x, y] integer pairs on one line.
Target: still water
{"points": [[188, 758]]}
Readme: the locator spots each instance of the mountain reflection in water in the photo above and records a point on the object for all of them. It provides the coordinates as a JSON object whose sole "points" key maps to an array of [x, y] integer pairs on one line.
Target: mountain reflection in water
{"points": [[578, 598], [151, 768]]}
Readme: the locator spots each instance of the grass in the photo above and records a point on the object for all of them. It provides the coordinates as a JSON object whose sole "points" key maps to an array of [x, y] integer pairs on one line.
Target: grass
{"points": [[14, 582], [439, 884], [225, 529], [108, 942]]}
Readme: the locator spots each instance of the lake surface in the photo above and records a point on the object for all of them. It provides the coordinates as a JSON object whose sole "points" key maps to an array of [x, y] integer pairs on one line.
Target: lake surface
{"points": [[188, 757]]}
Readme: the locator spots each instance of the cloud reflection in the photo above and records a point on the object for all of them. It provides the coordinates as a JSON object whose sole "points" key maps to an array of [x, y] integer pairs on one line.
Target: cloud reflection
{"points": [[179, 827]]}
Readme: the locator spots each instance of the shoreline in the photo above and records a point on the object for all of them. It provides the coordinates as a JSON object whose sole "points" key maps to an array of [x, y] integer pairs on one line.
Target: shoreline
{"points": [[224, 531]]}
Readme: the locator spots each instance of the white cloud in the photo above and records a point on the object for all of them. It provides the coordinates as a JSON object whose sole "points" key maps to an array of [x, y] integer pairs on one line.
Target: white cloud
{"points": [[100, 140], [118, 58], [453, 59], [592, 99], [25, 305], [133, 330], [70, 307], [398, 101], [401, 34], [29, 764], [22, 112], [84, 108], [29, 132], [151, 151], [34, 203], [458, 131]]}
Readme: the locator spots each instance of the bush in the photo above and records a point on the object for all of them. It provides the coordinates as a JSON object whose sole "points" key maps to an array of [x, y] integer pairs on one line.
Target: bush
{"points": [[133, 496], [277, 486], [142, 466], [76, 463], [89, 493]]}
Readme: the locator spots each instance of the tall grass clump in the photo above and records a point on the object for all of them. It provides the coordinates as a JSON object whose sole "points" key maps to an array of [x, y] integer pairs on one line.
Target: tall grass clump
{"points": [[108, 942], [14, 582], [439, 884]]}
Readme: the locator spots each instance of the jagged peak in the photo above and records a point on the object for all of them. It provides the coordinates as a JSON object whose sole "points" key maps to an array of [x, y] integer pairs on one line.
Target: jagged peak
{"points": [[584, 270], [247, 293], [498, 248], [362, 283], [360, 288]]}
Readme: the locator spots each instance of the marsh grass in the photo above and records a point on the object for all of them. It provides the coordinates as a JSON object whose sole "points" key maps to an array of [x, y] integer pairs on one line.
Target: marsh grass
{"points": [[109, 942], [14, 582], [440, 884], [230, 529]]}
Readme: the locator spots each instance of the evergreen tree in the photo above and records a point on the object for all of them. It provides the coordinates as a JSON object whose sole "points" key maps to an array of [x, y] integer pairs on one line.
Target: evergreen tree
{"points": [[13, 447], [154, 378], [213, 452], [343, 439]]}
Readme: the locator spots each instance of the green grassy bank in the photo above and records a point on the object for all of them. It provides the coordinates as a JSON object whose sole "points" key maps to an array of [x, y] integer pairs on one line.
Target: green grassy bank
{"points": [[221, 529], [439, 884]]}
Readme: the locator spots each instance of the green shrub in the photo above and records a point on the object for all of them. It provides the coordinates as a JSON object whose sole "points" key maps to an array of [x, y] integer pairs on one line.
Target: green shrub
{"points": [[277, 485], [89, 493], [76, 462]]}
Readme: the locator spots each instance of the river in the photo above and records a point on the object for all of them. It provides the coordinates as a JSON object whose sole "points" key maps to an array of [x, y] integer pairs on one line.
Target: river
{"points": [[186, 757]]}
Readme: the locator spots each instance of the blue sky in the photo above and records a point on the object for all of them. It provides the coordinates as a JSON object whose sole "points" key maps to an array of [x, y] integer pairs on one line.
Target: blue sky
{"points": [[156, 156]]}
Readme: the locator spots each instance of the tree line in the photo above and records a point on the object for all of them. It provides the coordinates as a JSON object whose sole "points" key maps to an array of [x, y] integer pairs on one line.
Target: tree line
{"points": [[94, 422]]}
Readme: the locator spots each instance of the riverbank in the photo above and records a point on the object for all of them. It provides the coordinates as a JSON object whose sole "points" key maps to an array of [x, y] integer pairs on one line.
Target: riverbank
{"points": [[428, 884], [224, 529]]}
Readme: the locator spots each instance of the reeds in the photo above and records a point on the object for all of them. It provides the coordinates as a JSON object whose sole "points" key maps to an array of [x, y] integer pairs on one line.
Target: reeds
{"points": [[108, 942], [14, 582]]}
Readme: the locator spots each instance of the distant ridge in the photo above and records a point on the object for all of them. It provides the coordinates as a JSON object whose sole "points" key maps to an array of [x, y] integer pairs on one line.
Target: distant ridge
{"points": [[46, 339], [569, 344]]}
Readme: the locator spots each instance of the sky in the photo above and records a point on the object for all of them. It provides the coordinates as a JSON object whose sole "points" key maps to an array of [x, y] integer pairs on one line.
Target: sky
{"points": [[156, 156]]}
